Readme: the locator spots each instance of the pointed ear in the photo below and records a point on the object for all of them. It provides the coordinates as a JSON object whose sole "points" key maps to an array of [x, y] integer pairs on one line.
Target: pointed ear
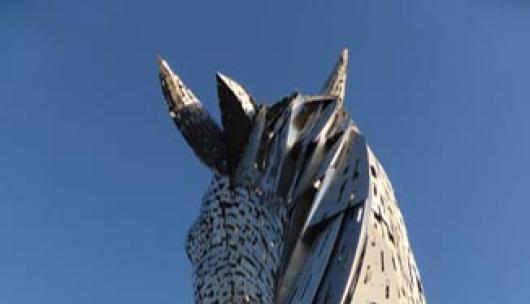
{"points": [[336, 83], [237, 113], [198, 128]]}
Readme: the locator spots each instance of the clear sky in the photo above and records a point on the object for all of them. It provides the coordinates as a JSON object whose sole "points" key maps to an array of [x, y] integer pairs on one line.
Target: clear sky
{"points": [[98, 189]]}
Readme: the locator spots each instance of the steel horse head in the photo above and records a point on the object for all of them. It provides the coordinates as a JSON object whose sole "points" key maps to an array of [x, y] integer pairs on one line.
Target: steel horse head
{"points": [[291, 209]]}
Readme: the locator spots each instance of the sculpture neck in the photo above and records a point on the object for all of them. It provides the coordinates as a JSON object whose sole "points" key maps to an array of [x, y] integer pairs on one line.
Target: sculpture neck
{"points": [[235, 246]]}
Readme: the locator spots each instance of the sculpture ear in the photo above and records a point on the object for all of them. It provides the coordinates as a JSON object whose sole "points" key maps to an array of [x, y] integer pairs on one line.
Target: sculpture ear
{"points": [[198, 128], [237, 114], [336, 83]]}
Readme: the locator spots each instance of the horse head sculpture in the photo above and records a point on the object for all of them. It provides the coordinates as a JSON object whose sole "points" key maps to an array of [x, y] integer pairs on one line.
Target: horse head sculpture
{"points": [[299, 210]]}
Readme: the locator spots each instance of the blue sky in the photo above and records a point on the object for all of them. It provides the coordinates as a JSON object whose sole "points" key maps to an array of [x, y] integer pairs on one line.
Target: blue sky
{"points": [[98, 189]]}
